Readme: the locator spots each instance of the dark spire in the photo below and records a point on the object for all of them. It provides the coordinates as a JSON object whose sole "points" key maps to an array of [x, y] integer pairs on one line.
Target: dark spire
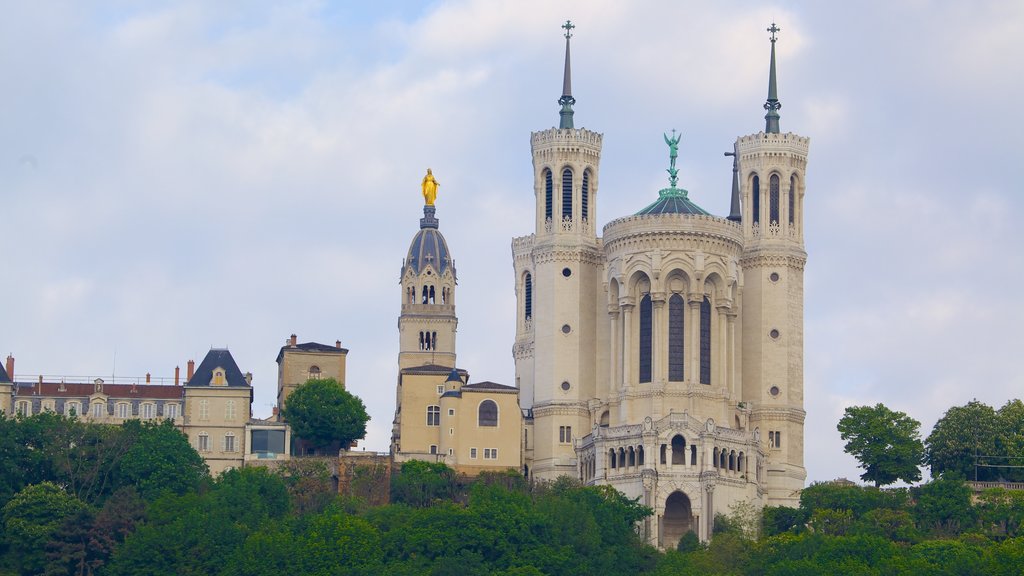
{"points": [[734, 211], [771, 119], [567, 100]]}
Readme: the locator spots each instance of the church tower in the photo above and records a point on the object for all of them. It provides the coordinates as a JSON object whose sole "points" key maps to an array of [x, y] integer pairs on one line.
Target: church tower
{"points": [[770, 169], [558, 280], [428, 323]]}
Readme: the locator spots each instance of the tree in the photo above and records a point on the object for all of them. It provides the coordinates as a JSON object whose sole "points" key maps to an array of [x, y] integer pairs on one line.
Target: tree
{"points": [[31, 518], [959, 437], [161, 460], [887, 444], [323, 413]]}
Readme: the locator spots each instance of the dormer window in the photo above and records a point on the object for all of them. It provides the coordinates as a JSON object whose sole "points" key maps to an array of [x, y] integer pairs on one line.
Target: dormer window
{"points": [[218, 377]]}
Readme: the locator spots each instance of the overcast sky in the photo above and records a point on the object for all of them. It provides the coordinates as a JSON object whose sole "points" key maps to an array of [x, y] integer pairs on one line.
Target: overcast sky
{"points": [[176, 176]]}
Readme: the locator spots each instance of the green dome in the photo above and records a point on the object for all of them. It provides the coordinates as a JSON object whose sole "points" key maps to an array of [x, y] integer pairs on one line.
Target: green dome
{"points": [[672, 201]]}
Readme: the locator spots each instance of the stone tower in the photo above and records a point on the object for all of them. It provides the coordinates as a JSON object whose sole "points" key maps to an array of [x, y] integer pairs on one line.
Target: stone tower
{"points": [[428, 323], [771, 167], [558, 276]]}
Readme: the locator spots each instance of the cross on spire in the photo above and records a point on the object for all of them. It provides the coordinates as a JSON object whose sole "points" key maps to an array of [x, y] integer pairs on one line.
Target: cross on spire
{"points": [[568, 28], [773, 29]]}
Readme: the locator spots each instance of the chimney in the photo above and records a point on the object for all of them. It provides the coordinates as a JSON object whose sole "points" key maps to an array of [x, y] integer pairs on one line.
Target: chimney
{"points": [[248, 378], [337, 343], [10, 367], [276, 411], [147, 378], [177, 375], [293, 340], [191, 371]]}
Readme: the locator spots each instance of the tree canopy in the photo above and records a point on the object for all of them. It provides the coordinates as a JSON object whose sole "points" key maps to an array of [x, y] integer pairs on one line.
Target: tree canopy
{"points": [[323, 413], [887, 444]]}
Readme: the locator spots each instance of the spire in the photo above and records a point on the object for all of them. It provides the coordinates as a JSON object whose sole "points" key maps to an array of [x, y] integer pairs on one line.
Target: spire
{"points": [[771, 119], [734, 210], [567, 100]]}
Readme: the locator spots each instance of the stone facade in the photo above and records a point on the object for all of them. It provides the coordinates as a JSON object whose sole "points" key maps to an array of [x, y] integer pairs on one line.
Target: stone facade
{"points": [[665, 357]]}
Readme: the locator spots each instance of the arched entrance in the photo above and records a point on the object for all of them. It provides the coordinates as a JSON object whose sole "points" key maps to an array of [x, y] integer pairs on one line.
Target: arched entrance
{"points": [[678, 519]]}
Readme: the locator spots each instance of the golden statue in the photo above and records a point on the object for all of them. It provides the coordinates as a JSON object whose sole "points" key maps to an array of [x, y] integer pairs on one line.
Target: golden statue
{"points": [[430, 188]]}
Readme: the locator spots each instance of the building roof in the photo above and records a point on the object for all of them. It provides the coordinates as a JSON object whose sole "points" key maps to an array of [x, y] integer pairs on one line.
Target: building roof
{"points": [[434, 369], [428, 247], [85, 389], [672, 201], [311, 347], [489, 387], [218, 357], [3, 374]]}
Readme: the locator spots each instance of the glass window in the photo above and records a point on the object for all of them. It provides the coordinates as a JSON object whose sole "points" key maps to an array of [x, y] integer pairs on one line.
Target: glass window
{"points": [[528, 300], [72, 409], [488, 414], [148, 410], [773, 199], [675, 338], [472, 453], [565, 434], [547, 194], [204, 409], [97, 410], [705, 341], [268, 441], [204, 442], [433, 415], [566, 193], [122, 410], [229, 442], [229, 410], [23, 408], [645, 338], [170, 411]]}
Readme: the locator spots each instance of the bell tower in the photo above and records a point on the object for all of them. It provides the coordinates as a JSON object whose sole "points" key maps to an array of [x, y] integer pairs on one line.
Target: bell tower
{"points": [[770, 169], [556, 349], [428, 323]]}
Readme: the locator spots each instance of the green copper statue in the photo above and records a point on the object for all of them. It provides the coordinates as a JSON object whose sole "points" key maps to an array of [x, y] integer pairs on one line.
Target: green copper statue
{"points": [[673, 153]]}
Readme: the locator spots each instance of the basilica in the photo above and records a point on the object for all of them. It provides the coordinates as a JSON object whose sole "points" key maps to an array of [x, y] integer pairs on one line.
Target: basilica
{"points": [[661, 354]]}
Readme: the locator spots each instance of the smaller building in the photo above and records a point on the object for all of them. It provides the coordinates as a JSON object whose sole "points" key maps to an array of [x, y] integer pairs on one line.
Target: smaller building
{"points": [[297, 363], [266, 441], [6, 386], [218, 407]]}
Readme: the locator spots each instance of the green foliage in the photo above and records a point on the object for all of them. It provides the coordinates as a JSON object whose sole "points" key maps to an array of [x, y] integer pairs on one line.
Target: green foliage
{"points": [[31, 518], [1001, 512], [831, 522], [323, 413], [894, 525], [857, 499], [419, 483], [943, 506], [160, 460], [778, 519], [963, 433], [887, 444], [689, 542], [309, 484]]}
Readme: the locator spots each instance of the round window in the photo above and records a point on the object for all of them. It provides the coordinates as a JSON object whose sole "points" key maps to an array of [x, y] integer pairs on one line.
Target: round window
{"points": [[774, 277], [566, 272], [774, 390], [565, 385], [566, 328], [774, 334]]}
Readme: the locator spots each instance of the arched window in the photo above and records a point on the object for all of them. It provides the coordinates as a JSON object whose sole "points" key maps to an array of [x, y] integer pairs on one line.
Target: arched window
{"points": [[314, 373], [426, 295], [547, 194], [678, 449], [639, 455], [675, 338], [632, 456], [611, 459], [792, 198], [605, 419], [773, 199], [487, 414], [566, 193], [622, 457], [714, 457], [433, 340], [724, 459], [422, 343], [585, 197], [528, 297], [732, 460], [431, 294], [664, 454], [755, 204], [739, 463], [645, 338], [705, 341], [433, 415]]}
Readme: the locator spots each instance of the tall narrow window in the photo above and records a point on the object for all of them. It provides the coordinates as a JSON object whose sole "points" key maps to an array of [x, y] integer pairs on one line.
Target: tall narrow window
{"points": [[431, 294], [528, 297], [675, 338], [148, 410], [487, 414], [548, 192], [792, 198], [229, 410], [566, 193], [203, 443], [433, 341], [705, 341], [229, 442], [755, 204], [645, 338], [433, 415], [426, 294], [773, 199], [585, 196]]}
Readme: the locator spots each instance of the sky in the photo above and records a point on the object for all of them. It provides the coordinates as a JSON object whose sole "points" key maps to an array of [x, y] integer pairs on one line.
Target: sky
{"points": [[176, 176]]}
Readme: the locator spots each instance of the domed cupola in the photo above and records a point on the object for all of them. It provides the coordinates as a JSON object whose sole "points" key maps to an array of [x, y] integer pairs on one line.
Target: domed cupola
{"points": [[673, 200], [428, 248]]}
